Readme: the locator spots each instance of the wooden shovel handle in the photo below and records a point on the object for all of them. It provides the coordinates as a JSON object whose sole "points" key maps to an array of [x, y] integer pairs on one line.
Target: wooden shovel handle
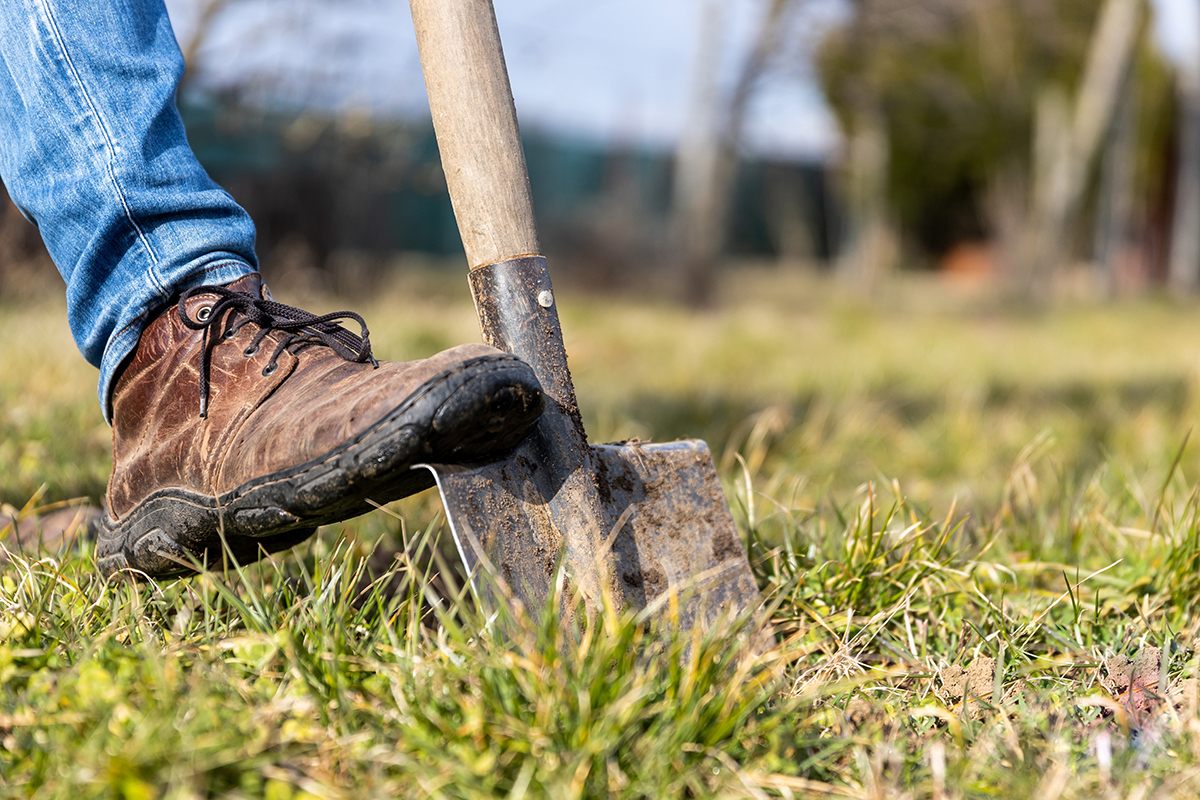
{"points": [[476, 126]]}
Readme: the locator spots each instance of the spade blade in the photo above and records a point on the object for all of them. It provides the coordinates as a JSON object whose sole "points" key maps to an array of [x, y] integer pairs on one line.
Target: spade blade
{"points": [[663, 531]]}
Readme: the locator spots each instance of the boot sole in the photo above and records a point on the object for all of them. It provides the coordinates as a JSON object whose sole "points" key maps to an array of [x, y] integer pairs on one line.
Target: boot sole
{"points": [[474, 413]]}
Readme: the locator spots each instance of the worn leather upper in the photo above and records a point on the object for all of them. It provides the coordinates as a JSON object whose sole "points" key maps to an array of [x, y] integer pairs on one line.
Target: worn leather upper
{"points": [[256, 424]]}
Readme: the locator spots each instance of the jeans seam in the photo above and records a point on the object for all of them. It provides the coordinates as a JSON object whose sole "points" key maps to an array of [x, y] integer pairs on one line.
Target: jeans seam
{"points": [[107, 136]]}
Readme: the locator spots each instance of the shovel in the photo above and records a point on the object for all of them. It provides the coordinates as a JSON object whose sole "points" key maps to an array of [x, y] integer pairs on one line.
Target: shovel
{"points": [[646, 524]]}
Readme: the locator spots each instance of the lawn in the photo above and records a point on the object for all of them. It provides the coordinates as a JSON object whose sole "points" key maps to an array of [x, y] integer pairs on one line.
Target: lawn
{"points": [[976, 528]]}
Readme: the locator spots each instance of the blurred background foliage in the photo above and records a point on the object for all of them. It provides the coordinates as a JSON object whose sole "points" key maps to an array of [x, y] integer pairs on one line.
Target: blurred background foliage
{"points": [[1028, 143], [1014, 139], [954, 83]]}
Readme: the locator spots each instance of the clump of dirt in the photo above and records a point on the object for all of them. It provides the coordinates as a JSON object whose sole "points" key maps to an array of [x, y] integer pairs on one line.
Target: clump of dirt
{"points": [[863, 716], [1120, 671], [1134, 683], [964, 688]]}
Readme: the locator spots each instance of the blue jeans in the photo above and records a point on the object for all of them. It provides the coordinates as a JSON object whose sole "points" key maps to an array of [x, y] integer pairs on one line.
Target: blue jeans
{"points": [[93, 152]]}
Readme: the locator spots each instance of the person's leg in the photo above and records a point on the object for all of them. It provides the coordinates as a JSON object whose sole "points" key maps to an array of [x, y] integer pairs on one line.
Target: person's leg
{"points": [[239, 424], [92, 150]]}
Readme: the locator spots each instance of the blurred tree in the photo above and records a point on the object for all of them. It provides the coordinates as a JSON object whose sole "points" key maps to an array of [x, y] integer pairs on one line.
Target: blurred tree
{"points": [[706, 159], [1068, 133], [1184, 269], [1114, 236], [981, 119]]}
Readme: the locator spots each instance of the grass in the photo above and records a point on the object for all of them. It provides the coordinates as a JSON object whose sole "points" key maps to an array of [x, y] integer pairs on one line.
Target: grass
{"points": [[965, 519]]}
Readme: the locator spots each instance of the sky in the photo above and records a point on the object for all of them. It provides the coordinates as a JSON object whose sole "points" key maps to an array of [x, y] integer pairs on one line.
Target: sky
{"points": [[606, 70], [609, 70], [1177, 26]]}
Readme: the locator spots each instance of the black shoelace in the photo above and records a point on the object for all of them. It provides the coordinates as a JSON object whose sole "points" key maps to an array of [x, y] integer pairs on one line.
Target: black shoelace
{"points": [[232, 310]]}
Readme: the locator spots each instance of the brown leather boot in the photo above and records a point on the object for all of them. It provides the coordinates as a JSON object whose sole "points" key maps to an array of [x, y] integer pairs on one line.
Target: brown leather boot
{"points": [[242, 419]]}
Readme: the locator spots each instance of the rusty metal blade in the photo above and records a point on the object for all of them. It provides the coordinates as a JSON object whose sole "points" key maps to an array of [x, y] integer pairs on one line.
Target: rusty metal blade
{"points": [[666, 530]]}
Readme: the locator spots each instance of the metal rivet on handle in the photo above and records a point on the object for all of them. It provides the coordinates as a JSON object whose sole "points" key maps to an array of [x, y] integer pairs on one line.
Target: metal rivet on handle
{"points": [[546, 298]]}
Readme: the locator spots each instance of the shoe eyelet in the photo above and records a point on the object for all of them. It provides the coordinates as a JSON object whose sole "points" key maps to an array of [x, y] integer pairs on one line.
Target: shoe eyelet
{"points": [[230, 334], [203, 313], [269, 370], [249, 351]]}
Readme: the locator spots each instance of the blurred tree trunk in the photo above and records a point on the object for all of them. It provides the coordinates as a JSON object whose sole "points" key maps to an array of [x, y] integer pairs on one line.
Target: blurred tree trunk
{"points": [[1066, 142], [696, 193], [869, 247], [1115, 211], [788, 211], [1183, 271], [706, 161]]}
